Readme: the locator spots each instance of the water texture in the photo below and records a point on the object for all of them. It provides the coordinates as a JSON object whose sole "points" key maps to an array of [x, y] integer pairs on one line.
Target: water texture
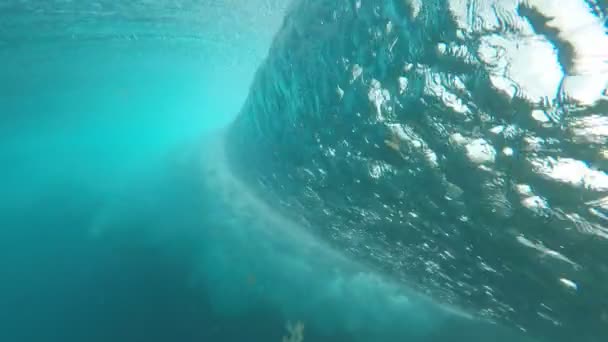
{"points": [[459, 146], [358, 170]]}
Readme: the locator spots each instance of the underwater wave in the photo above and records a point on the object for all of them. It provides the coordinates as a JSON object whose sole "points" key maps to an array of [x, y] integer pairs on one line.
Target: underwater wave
{"points": [[402, 170], [458, 147]]}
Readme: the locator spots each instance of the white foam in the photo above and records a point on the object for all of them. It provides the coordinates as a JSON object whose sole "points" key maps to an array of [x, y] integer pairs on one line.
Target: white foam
{"points": [[480, 151]]}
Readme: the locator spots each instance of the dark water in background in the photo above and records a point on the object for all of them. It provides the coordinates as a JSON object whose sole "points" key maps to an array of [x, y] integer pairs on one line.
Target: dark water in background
{"points": [[118, 219]]}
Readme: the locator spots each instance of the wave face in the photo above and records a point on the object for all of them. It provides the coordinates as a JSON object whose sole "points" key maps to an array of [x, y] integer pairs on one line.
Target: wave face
{"points": [[456, 146]]}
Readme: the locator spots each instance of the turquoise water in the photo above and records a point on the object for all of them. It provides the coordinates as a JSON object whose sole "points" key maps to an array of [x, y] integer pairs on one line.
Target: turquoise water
{"points": [[226, 170], [94, 124]]}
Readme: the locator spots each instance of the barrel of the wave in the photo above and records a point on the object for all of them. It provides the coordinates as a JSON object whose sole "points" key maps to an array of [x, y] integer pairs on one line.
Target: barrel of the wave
{"points": [[457, 146]]}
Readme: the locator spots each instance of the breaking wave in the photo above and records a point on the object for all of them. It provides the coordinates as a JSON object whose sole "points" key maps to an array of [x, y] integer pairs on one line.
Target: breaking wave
{"points": [[458, 147]]}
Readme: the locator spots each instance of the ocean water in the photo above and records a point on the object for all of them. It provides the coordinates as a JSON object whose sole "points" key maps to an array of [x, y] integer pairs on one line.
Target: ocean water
{"points": [[99, 103], [315, 170]]}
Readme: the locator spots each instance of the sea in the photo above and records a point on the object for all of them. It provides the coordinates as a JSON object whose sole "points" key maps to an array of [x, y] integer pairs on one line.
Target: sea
{"points": [[303, 170]]}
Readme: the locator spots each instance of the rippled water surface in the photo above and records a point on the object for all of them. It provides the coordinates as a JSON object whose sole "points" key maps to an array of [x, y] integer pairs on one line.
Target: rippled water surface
{"points": [[459, 146]]}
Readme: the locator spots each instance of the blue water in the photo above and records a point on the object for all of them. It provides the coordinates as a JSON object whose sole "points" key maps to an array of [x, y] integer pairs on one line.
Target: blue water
{"points": [[93, 128], [226, 170]]}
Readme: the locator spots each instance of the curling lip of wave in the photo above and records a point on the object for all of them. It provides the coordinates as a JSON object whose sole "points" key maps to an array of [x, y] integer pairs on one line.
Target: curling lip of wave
{"points": [[456, 145]]}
